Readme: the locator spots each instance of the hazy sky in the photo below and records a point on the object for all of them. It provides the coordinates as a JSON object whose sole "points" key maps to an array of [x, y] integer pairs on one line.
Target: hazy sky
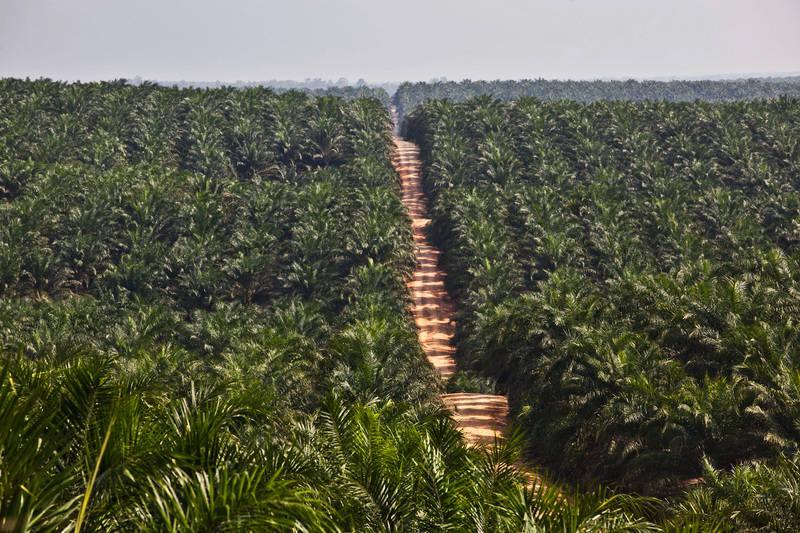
{"points": [[381, 41]]}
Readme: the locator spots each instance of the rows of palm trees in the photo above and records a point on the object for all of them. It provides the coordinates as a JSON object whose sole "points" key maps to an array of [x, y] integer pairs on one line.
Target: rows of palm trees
{"points": [[630, 274], [204, 326], [411, 94]]}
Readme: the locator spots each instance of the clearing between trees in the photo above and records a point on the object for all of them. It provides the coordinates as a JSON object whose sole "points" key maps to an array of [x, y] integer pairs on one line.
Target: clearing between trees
{"points": [[480, 417]]}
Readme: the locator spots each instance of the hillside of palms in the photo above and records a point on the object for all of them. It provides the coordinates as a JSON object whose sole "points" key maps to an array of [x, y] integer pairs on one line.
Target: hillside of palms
{"points": [[239, 309]]}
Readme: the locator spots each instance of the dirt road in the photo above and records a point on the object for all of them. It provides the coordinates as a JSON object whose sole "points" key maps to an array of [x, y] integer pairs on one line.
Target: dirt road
{"points": [[480, 417]]}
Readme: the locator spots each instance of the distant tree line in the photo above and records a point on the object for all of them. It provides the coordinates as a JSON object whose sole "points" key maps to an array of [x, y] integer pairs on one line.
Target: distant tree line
{"points": [[410, 95], [341, 88]]}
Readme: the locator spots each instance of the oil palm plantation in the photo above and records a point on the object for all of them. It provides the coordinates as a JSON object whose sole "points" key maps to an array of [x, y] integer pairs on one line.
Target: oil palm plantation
{"points": [[620, 273], [204, 326]]}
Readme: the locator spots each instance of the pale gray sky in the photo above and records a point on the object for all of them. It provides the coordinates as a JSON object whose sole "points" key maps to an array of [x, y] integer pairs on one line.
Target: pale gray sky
{"points": [[403, 40]]}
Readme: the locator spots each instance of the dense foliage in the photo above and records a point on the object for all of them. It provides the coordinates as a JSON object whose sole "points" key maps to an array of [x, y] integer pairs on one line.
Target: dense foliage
{"points": [[629, 273], [410, 95], [204, 219], [204, 327]]}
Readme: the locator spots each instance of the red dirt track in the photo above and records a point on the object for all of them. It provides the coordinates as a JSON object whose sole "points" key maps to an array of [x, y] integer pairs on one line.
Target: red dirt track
{"points": [[481, 417]]}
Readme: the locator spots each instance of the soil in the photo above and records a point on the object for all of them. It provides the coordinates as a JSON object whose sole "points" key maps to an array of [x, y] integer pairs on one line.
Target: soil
{"points": [[480, 417]]}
